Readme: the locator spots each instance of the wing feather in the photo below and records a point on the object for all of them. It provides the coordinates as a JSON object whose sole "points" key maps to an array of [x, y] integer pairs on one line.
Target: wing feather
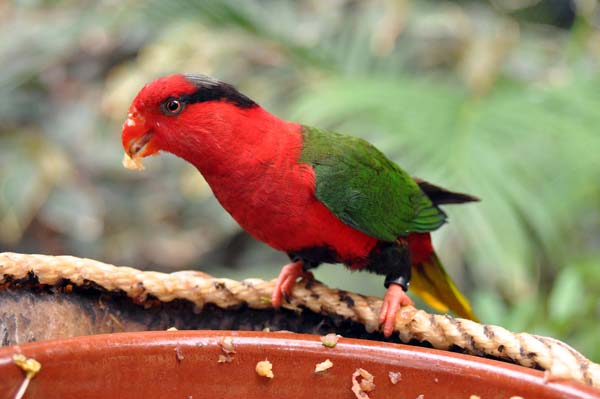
{"points": [[366, 190]]}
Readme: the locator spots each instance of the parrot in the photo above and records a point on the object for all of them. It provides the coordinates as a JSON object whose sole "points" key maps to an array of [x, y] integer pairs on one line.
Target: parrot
{"points": [[315, 194]]}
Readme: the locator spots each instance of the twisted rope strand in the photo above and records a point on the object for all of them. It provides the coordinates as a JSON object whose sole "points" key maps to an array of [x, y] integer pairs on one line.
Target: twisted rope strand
{"points": [[559, 360]]}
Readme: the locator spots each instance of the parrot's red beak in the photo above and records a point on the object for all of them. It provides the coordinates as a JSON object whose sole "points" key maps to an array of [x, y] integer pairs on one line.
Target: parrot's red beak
{"points": [[137, 137]]}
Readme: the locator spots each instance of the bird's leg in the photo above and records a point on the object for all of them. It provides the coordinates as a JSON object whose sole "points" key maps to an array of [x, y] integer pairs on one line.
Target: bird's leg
{"points": [[394, 298], [286, 280], [395, 261]]}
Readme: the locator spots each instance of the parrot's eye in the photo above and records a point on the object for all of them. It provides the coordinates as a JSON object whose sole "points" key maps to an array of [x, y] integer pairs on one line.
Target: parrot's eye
{"points": [[172, 107]]}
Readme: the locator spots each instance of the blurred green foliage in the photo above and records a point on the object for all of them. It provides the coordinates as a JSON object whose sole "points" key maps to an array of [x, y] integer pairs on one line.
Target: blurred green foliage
{"points": [[500, 99]]}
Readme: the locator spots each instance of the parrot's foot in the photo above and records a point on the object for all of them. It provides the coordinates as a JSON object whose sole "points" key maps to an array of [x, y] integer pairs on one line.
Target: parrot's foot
{"points": [[395, 297], [286, 280]]}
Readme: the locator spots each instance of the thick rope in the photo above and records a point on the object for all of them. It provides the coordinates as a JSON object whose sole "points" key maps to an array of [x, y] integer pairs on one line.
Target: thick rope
{"points": [[559, 360]]}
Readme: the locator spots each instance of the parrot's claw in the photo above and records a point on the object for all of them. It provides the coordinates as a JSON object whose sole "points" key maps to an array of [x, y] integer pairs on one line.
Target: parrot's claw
{"points": [[395, 297], [286, 280]]}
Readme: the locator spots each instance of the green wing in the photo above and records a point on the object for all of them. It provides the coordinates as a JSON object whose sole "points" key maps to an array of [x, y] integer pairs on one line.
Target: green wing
{"points": [[366, 190]]}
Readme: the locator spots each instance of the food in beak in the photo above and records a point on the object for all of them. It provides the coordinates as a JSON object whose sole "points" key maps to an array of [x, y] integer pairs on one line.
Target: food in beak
{"points": [[133, 163], [135, 140]]}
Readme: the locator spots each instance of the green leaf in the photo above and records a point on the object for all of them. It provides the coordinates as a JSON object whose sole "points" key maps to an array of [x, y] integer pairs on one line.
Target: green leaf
{"points": [[565, 300]]}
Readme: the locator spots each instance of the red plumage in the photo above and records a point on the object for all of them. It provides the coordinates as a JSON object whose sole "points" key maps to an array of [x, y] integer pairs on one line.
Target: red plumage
{"points": [[251, 160], [420, 246], [254, 173]]}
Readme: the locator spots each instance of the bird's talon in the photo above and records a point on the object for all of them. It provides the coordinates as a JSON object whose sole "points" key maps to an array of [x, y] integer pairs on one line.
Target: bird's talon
{"points": [[394, 298], [285, 282]]}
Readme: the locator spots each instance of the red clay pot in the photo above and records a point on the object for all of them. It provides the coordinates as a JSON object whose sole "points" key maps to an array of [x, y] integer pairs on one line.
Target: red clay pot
{"points": [[183, 364]]}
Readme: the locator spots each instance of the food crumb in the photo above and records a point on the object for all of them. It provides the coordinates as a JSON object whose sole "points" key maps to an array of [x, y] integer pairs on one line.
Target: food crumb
{"points": [[421, 396], [226, 344], [326, 365], [474, 397], [134, 163], [172, 329], [178, 354], [395, 376], [330, 340], [366, 384], [264, 368], [30, 366], [224, 358]]}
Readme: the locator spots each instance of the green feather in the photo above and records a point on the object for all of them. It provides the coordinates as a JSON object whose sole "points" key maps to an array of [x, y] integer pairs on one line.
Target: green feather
{"points": [[366, 190]]}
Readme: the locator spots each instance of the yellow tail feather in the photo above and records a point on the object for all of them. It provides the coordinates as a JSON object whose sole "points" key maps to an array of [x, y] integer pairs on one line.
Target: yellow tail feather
{"points": [[431, 282]]}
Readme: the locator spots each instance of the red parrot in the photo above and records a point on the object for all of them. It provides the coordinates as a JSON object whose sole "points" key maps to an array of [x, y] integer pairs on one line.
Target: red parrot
{"points": [[319, 196]]}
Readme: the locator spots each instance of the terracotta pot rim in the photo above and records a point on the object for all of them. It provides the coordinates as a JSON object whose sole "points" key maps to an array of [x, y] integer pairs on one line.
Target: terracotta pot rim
{"points": [[292, 347]]}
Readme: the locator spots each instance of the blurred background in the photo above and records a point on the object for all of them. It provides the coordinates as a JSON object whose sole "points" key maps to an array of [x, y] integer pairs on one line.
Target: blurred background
{"points": [[499, 98]]}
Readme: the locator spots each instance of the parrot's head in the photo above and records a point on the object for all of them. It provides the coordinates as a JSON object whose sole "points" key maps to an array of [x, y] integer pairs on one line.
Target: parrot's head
{"points": [[181, 113]]}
